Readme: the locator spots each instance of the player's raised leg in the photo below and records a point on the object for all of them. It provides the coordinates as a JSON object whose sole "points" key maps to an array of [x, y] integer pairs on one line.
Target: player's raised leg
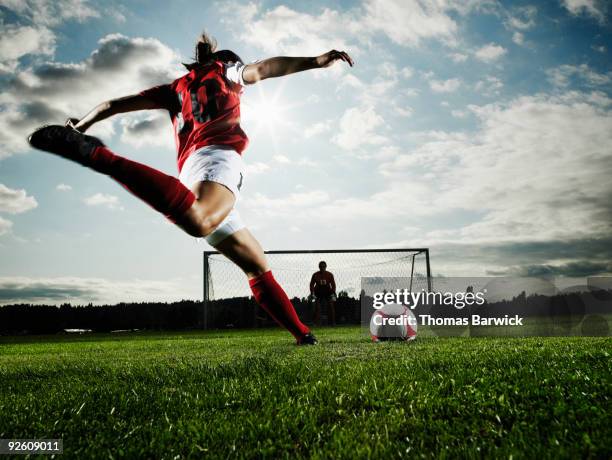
{"points": [[245, 251], [164, 193]]}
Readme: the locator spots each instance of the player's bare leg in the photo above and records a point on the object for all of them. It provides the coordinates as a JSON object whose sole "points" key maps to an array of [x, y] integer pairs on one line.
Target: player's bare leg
{"points": [[213, 203], [245, 251], [198, 211]]}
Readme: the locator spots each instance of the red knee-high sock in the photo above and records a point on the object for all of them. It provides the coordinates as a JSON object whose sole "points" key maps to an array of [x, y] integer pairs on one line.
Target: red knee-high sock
{"points": [[272, 298], [164, 193]]}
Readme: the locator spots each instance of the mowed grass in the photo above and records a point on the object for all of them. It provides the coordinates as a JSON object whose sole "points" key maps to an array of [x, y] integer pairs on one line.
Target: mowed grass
{"points": [[254, 394]]}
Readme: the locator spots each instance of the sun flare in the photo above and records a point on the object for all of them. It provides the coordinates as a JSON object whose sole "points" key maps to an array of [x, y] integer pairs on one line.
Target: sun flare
{"points": [[266, 111]]}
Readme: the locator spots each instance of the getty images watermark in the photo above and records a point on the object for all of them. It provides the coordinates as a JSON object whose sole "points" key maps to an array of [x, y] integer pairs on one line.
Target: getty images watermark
{"points": [[458, 300], [402, 308]]}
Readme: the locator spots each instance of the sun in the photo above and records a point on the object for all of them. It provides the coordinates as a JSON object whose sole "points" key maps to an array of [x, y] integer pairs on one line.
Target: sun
{"points": [[268, 111], [264, 110], [272, 113]]}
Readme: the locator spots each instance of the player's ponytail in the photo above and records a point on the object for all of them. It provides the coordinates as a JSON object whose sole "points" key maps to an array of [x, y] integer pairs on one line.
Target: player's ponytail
{"points": [[205, 47], [206, 51]]}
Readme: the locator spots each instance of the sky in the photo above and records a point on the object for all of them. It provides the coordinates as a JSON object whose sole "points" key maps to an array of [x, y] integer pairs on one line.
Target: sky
{"points": [[480, 129]]}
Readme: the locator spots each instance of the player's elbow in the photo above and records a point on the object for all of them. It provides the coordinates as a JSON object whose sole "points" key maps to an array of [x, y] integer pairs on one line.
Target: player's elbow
{"points": [[253, 73], [109, 107]]}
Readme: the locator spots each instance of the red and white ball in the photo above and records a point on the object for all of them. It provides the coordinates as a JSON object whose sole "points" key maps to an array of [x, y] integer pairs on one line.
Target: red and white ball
{"points": [[393, 322]]}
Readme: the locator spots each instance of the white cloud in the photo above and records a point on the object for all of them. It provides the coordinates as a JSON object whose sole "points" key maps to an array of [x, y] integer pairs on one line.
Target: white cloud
{"points": [[152, 130], [407, 72], [564, 75], [82, 291], [15, 201], [63, 187], [52, 12], [550, 152], [288, 204], [351, 81], [409, 92], [307, 162], [380, 89], [395, 202], [403, 111], [405, 22], [282, 159], [17, 41], [5, 226], [459, 113], [489, 86], [317, 128], [409, 22], [359, 127], [458, 57], [518, 38], [445, 86], [256, 168], [284, 30], [522, 18], [592, 8], [52, 92], [490, 52], [103, 199]]}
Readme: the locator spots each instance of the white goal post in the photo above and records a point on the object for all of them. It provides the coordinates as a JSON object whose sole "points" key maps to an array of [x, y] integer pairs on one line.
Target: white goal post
{"points": [[225, 285]]}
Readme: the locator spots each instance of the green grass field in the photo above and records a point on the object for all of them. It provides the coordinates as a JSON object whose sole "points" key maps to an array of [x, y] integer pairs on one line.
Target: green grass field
{"points": [[254, 394]]}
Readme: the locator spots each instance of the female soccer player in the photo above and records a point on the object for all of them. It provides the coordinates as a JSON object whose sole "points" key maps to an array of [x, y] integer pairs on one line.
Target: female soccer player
{"points": [[204, 106]]}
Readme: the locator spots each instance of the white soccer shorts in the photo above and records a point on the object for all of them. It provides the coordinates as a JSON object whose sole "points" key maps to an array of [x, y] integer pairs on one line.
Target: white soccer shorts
{"points": [[221, 164]]}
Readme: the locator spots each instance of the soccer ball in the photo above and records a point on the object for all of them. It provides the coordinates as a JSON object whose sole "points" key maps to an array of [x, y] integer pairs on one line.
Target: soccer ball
{"points": [[393, 322]]}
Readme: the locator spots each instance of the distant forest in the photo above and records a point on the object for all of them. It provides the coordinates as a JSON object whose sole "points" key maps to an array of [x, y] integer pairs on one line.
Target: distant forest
{"points": [[244, 313]]}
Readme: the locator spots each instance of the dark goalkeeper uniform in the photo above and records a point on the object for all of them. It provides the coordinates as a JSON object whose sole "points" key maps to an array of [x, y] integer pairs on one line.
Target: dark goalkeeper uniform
{"points": [[322, 285]]}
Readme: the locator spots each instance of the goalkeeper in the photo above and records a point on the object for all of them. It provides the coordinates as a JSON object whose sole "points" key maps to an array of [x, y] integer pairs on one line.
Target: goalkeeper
{"points": [[323, 290]]}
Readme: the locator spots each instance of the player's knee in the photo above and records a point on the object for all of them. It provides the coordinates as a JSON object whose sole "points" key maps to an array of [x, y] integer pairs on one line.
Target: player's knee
{"points": [[202, 222], [208, 223]]}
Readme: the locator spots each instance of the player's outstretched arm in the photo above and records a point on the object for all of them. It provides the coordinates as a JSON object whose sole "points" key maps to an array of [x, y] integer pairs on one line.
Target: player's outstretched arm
{"points": [[112, 107], [283, 65]]}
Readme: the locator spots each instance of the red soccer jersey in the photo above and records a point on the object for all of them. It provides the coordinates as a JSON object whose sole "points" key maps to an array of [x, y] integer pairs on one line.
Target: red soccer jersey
{"points": [[204, 106]]}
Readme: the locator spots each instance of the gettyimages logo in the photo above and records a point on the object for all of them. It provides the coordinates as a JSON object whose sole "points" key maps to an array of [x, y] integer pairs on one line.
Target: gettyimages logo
{"points": [[485, 306], [458, 300]]}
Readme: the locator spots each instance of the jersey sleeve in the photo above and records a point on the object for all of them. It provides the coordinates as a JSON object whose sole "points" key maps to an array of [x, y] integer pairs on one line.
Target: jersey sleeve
{"points": [[233, 72], [162, 95]]}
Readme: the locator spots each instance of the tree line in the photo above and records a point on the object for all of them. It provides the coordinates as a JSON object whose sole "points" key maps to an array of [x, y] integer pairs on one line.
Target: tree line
{"points": [[240, 312]]}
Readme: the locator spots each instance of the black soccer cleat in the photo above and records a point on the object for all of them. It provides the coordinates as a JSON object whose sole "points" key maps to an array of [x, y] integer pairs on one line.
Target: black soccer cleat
{"points": [[66, 142], [308, 339]]}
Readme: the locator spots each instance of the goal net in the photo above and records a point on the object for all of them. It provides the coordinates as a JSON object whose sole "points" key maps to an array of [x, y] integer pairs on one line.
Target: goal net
{"points": [[227, 296]]}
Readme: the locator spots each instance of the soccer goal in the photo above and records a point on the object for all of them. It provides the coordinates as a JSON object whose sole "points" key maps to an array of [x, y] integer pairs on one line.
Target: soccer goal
{"points": [[227, 297]]}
